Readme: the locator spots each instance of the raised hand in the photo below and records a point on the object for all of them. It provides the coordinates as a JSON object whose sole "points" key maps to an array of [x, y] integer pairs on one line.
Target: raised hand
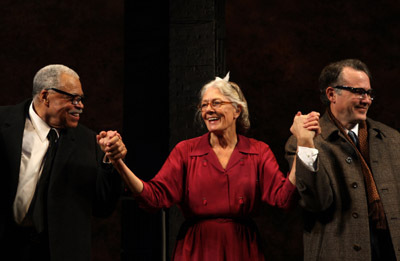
{"points": [[305, 128], [111, 143]]}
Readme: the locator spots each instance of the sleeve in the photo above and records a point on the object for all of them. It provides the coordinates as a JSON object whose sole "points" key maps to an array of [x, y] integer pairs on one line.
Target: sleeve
{"points": [[308, 156], [314, 187], [108, 186], [276, 189], [167, 187]]}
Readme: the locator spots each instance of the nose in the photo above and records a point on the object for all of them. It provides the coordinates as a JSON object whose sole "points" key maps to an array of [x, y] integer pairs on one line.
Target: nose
{"points": [[80, 105], [366, 99]]}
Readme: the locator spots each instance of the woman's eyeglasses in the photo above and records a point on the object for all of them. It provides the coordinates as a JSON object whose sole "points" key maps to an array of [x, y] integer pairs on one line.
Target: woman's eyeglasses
{"points": [[215, 104]]}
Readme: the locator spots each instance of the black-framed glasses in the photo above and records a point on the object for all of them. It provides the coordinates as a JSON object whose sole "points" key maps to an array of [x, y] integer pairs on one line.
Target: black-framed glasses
{"points": [[359, 91], [75, 98], [215, 104]]}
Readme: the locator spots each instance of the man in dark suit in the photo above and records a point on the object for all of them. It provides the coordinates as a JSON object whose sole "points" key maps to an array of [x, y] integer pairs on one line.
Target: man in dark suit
{"points": [[350, 183], [47, 198]]}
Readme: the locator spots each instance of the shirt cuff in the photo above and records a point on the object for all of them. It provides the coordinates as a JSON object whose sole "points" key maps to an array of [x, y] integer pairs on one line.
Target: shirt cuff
{"points": [[308, 156], [106, 163]]}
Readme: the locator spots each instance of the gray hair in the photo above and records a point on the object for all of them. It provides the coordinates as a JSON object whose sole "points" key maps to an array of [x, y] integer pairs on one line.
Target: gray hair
{"points": [[49, 77], [233, 93]]}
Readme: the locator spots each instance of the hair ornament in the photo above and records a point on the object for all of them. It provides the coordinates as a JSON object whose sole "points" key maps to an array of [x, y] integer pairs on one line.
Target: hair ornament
{"points": [[226, 78]]}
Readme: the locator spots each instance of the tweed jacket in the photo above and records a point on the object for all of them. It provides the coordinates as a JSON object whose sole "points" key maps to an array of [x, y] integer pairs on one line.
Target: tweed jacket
{"points": [[336, 223]]}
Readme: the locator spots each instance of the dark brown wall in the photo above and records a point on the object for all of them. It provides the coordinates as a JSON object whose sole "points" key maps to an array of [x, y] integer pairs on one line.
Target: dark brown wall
{"points": [[86, 36], [275, 52]]}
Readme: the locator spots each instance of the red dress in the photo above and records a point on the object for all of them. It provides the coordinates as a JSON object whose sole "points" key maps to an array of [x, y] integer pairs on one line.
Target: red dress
{"points": [[217, 203]]}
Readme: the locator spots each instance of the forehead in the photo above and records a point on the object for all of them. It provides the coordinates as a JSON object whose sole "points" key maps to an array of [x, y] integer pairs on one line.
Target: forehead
{"points": [[70, 83], [355, 78], [212, 93]]}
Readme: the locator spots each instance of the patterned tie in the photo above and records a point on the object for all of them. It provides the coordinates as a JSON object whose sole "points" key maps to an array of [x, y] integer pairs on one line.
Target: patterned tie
{"points": [[39, 208], [354, 137]]}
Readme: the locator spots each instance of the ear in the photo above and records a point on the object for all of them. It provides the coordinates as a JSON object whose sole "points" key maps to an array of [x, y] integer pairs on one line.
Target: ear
{"points": [[43, 97], [331, 94], [238, 111]]}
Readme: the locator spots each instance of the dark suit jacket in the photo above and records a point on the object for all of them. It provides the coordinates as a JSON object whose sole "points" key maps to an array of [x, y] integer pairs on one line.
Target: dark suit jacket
{"points": [[334, 196], [80, 186]]}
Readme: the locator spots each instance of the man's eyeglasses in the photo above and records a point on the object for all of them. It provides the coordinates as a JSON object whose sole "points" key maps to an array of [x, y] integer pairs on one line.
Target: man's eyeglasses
{"points": [[215, 104], [75, 98], [359, 91]]}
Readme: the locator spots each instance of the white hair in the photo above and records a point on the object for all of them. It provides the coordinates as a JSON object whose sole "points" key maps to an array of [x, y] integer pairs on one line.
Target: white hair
{"points": [[233, 93]]}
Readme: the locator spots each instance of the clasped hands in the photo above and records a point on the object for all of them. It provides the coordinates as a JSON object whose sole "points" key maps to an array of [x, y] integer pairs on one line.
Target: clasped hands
{"points": [[111, 143], [305, 128]]}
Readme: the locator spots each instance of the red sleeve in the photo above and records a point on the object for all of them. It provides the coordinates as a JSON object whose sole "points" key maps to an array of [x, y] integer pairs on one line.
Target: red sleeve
{"points": [[167, 187], [276, 189]]}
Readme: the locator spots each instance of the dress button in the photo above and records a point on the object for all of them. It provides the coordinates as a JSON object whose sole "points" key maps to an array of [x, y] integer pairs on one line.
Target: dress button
{"points": [[349, 160], [357, 247], [354, 215], [354, 185], [204, 163], [204, 201]]}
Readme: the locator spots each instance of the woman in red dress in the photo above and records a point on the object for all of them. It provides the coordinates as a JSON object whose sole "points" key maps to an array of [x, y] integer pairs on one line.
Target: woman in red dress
{"points": [[219, 179]]}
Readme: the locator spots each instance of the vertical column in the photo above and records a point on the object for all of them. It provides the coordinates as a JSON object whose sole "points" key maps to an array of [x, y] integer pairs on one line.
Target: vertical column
{"points": [[146, 122]]}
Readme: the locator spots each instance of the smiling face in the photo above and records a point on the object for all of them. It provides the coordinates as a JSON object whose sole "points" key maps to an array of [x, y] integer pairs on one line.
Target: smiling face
{"points": [[346, 106], [222, 119], [60, 112]]}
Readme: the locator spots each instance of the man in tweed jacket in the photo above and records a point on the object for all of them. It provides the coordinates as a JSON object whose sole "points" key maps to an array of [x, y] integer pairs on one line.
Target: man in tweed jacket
{"points": [[349, 186]]}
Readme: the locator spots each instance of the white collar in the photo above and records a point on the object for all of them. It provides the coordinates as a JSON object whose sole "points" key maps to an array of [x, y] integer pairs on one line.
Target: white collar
{"points": [[354, 129], [40, 126]]}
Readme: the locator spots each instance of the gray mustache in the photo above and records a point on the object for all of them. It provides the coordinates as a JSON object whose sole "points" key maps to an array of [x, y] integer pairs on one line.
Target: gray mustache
{"points": [[80, 111]]}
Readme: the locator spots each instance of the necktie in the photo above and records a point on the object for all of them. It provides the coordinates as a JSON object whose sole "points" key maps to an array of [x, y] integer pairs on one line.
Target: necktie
{"points": [[354, 137], [39, 208]]}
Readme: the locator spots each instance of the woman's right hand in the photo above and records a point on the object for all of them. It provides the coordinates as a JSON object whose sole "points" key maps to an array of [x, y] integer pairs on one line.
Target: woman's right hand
{"points": [[112, 145]]}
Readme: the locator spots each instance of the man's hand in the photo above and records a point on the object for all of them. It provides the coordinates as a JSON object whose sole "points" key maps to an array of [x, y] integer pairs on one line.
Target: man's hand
{"points": [[305, 128], [111, 143]]}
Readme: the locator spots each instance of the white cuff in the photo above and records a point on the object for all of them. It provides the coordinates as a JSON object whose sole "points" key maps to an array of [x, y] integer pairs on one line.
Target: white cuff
{"points": [[308, 156]]}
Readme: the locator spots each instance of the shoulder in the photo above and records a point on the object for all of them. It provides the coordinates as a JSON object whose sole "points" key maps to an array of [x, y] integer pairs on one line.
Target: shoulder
{"points": [[81, 133], [382, 129], [10, 112], [252, 146], [192, 144], [82, 129], [256, 143], [16, 107], [5, 110]]}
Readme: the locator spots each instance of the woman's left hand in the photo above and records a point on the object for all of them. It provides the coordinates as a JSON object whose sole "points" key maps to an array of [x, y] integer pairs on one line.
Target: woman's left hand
{"points": [[305, 128]]}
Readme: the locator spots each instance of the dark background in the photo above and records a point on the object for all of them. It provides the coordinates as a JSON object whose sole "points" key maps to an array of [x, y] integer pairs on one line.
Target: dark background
{"points": [[142, 63]]}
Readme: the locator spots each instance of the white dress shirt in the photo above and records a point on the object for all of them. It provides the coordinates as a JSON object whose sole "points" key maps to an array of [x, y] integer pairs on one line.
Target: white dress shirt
{"points": [[34, 147], [309, 155]]}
